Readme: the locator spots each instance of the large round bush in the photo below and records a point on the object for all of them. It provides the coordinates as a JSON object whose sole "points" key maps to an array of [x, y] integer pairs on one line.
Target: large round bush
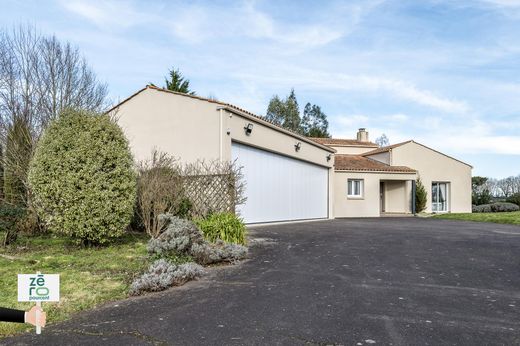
{"points": [[82, 177]]}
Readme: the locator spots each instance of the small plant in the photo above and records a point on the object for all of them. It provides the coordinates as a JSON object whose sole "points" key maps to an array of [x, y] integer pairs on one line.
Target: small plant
{"points": [[421, 196], [208, 253], [163, 274], [82, 177], [224, 226]]}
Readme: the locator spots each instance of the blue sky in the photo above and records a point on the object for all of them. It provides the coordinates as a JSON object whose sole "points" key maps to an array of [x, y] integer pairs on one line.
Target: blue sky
{"points": [[445, 73]]}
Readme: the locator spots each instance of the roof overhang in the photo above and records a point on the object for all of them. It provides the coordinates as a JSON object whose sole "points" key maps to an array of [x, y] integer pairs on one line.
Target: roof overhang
{"points": [[276, 128]]}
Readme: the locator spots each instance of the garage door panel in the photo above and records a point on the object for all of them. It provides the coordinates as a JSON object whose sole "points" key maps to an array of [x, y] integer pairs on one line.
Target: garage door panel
{"points": [[280, 188]]}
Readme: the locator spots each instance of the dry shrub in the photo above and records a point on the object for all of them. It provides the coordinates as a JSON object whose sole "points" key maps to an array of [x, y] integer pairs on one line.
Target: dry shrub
{"points": [[159, 190]]}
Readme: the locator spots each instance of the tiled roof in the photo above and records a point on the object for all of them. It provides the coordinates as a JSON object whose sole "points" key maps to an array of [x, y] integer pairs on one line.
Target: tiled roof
{"points": [[343, 142], [359, 163], [229, 106]]}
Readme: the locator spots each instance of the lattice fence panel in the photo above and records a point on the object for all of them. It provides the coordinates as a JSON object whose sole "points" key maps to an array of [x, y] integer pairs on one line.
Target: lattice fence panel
{"points": [[212, 193]]}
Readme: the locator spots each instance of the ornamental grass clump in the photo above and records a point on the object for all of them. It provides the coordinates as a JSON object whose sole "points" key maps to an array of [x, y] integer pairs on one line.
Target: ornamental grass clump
{"points": [[223, 226], [82, 177]]}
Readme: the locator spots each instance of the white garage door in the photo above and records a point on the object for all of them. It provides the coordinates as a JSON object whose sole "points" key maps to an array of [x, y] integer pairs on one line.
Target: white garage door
{"points": [[279, 188]]}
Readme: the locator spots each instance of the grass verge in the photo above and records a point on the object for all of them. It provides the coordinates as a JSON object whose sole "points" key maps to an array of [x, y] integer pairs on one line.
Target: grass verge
{"points": [[88, 276], [511, 218]]}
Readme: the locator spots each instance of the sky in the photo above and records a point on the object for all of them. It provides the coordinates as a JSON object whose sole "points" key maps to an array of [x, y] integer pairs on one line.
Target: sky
{"points": [[445, 73]]}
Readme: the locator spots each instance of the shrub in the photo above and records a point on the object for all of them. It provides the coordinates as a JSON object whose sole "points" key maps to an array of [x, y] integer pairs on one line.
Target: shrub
{"points": [[208, 253], [163, 274], [82, 177], [514, 199], [497, 207], [421, 196], [224, 226], [183, 238], [159, 191], [10, 217]]}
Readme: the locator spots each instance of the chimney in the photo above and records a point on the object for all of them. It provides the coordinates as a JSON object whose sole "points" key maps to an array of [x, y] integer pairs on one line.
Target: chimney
{"points": [[362, 135]]}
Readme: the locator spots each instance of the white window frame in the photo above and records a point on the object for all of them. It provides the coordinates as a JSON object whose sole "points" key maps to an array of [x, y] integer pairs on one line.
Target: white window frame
{"points": [[447, 197], [361, 188]]}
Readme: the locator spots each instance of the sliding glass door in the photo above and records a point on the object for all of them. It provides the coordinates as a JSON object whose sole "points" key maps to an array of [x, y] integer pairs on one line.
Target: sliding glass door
{"points": [[439, 197]]}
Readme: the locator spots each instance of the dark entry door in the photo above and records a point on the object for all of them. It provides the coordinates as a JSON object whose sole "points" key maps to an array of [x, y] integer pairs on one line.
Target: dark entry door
{"points": [[382, 196]]}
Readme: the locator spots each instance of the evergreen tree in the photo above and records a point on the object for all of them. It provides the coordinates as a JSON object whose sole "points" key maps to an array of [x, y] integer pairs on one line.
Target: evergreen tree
{"points": [[421, 196], [314, 122], [292, 120], [176, 82], [276, 111]]}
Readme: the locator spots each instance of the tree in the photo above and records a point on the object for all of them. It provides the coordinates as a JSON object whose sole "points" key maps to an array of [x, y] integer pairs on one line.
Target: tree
{"points": [[480, 191], [39, 77], [18, 149], [285, 113], [314, 122], [382, 141], [176, 82], [421, 196], [83, 178]]}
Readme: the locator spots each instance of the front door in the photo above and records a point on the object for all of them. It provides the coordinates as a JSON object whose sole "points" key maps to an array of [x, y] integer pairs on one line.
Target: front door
{"points": [[382, 196]]}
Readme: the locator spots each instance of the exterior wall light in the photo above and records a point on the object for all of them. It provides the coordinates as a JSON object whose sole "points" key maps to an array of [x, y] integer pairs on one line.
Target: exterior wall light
{"points": [[298, 146], [329, 157], [248, 128]]}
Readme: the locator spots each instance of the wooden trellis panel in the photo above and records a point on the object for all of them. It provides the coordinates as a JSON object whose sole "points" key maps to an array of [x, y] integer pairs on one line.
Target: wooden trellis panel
{"points": [[213, 193]]}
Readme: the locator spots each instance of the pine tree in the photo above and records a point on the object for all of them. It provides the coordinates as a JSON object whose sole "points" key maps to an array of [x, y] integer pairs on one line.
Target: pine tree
{"points": [[421, 196], [314, 122], [176, 82]]}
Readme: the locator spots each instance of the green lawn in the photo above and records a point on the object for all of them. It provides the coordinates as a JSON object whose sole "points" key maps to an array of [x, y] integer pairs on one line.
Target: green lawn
{"points": [[512, 218], [88, 276]]}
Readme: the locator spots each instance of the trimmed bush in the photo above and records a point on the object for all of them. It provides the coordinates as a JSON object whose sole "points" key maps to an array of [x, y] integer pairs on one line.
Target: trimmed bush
{"points": [[183, 238], [82, 177], [497, 207], [163, 274], [224, 226], [514, 199]]}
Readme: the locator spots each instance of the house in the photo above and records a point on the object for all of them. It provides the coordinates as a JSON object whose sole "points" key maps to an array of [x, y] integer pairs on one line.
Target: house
{"points": [[289, 176], [370, 181]]}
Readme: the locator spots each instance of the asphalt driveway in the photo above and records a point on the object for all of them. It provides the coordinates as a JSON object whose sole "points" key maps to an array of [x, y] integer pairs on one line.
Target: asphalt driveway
{"points": [[399, 281]]}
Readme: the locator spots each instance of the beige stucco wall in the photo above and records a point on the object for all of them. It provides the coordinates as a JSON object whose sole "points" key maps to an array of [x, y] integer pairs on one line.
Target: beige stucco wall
{"points": [[436, 167], [193, 129], [397, 196], [369, 205], [351, 150], [381, 157], [181, 126]]}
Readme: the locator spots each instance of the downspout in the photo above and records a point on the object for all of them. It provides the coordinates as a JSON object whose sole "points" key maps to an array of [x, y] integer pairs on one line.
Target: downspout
{"points": [[220, 136], [413, 197]]}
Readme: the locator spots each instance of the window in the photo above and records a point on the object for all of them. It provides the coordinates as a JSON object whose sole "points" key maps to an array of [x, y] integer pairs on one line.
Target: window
{"points": [[355, 188], [439, 197]]}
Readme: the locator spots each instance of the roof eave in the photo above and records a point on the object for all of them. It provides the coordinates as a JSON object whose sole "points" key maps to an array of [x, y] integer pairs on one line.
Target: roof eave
{"points": [[276, 128]]}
